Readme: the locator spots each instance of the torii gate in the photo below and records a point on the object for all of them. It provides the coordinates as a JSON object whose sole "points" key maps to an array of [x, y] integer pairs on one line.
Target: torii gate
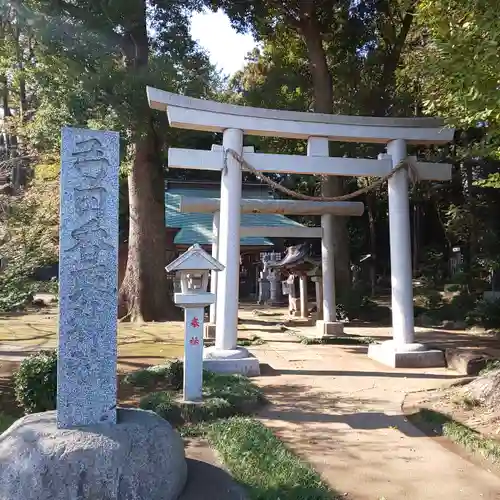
{"points": [[235, 121], [179, 157]]}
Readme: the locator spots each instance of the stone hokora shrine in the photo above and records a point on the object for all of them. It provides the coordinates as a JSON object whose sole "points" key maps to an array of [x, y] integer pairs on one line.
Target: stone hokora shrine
{"points": [[234, 122]]}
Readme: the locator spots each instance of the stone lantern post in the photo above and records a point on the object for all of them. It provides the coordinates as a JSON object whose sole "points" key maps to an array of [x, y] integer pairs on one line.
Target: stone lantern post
{"points": [[194, 266]]}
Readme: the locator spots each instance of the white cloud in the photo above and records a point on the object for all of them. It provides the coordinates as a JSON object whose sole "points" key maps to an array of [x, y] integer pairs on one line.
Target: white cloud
{"points": [[226, 47]]}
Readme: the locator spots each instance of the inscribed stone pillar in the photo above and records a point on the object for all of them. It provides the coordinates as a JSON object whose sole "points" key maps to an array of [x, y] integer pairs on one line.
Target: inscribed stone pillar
{"points": [[88, 275]]}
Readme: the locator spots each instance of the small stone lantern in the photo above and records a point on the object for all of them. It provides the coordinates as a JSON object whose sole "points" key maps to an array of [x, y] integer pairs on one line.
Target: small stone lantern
{"points": [[194, 267]]}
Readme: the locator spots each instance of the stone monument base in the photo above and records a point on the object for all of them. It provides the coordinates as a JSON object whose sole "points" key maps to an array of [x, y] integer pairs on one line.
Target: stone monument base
{"points": [[139, 458], [329, 328], [209, 331], [406, 355], [237, 360]]}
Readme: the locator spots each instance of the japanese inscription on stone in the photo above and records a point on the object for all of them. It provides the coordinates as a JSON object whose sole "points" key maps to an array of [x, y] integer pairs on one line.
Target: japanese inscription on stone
{"points": [[88, 262]]}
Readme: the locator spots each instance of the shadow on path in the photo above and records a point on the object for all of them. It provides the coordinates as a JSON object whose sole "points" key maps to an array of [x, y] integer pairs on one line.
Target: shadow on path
{"points": [[208, 482]]}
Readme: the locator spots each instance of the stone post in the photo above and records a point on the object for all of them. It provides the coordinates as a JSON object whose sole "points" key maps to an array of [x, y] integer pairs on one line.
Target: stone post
{"points": [[193, 353], [304, 307], [318, 283], [88, 276]]}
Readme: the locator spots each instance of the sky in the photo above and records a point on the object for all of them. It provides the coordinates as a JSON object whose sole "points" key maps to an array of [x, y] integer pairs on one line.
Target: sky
{"points": [[214, 33]]}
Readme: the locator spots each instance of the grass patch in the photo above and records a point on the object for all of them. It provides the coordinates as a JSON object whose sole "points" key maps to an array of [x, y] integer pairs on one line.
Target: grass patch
{"points": [[491, 366], [342, 340], [223, 396], [259, 461], [253, 340], [247, 342], [460, 434], [6, 421]]}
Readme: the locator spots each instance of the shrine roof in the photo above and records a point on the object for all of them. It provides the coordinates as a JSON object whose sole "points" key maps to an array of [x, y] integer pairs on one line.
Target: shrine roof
{"points": [[197, 227]]}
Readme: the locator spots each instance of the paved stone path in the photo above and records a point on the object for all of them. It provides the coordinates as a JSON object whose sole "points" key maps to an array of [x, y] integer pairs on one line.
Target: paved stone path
{"points": [[342, 412]]}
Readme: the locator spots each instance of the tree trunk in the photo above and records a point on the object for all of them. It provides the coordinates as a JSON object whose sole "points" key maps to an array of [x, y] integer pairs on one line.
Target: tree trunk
{"points": [[370, 202], [471, 202], [5, 96], [323, 103], [144, 294], [22, 78]]}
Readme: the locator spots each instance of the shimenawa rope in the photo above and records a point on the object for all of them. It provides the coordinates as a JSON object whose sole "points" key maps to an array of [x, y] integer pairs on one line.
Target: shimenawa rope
{"points": [[407, 163]]}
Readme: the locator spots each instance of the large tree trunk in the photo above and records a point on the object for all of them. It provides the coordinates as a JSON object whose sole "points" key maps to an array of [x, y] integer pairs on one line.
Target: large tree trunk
{"points": [[323, 103], [144, 294]]}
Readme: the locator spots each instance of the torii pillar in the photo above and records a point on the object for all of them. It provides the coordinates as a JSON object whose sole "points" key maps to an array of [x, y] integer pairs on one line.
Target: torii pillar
{"points": [[318, 146], [226, 355]]}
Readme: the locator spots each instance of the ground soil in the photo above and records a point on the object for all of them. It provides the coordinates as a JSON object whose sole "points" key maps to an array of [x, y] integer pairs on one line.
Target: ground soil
{"points": [[454, 402]]}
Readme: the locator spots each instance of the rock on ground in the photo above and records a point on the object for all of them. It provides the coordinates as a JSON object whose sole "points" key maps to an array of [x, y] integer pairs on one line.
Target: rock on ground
{"points": [[486, 389], [139, 458]]}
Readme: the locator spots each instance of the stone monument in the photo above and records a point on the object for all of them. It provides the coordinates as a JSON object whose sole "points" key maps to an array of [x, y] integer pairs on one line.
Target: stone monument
{"points": [[88, 449], [88, 260]]}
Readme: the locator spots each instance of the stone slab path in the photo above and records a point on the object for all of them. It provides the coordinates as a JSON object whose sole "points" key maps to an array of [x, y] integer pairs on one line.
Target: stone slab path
{"points": [[342, 412]]}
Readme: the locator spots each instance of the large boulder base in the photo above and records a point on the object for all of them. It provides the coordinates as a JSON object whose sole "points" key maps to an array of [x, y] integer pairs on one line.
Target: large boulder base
{"points": [[139, 458]]}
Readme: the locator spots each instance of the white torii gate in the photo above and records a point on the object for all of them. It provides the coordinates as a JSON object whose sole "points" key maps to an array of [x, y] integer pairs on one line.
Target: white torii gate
{"points": [[271, 206], [235, 121]]}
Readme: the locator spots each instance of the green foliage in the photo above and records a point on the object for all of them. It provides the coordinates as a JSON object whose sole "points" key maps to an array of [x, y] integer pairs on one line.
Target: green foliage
{"points": [[428, 299], [171, 374], [486, 313], [35, 382], [432, 268], [29, 241], [454, 31], [5, 422], [258, 460], [47, 171], [491, 366]]}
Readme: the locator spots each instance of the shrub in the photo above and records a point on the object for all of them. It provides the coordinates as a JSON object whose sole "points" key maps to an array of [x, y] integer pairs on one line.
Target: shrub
{"points": [[170, 373], [223, 396], [35, 383], [486, 313], [429, 299], [163, 404]]}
